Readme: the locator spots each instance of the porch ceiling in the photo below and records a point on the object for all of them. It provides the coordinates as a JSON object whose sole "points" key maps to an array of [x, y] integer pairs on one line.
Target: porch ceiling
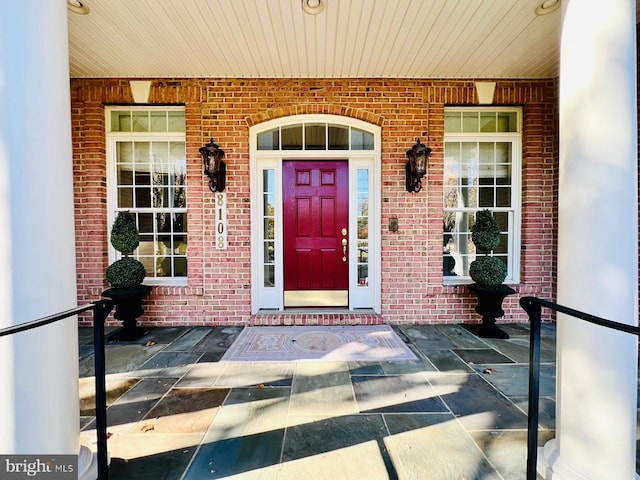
{"points": [[350, 38]]}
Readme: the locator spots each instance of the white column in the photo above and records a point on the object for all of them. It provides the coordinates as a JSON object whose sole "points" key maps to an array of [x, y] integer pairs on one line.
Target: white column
{"points": [[39, 411], [597, 243]]}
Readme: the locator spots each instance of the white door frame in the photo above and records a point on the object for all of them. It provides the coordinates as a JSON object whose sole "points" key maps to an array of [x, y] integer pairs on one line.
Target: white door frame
{"points": [[271, 297]]}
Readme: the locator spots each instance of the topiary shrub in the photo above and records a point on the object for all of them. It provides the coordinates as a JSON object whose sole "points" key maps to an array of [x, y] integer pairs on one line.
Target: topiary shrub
{"points": [[126, 272], [486, 271], [124, 233]]}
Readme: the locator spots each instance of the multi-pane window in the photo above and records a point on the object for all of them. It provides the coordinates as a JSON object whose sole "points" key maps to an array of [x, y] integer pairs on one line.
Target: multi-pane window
{"points": [[147, 177], [482, 171]]}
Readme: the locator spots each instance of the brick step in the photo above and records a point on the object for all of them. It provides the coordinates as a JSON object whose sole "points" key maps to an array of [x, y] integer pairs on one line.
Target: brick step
{"points": [[313, 317]]}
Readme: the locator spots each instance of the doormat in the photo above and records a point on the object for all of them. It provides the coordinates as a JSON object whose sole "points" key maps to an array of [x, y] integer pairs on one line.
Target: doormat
{"points": [[360, 343]]}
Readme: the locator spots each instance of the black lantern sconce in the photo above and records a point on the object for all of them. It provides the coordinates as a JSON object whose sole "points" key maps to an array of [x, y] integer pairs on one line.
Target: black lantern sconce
{"points": [[214, 167], [416, 167]]}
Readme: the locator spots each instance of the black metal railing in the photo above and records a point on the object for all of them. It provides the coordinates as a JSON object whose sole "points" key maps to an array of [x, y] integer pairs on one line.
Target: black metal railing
{"points": [[101, 310], [533, 307]]}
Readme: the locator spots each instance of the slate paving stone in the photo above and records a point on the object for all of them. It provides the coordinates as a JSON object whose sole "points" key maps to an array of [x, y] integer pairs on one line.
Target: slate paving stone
{"points": [[429, 340], [163, 335], [120, 358], [219, 339], [316, 438], [460, 336], [546, 410], [447, 361], [365, 368], [201, 375], [482, 355], [134, 405], [435, 446], [322, 388], [151, 457], [189, 340], [398, 368], [185, 410], [513, 380], [234, 456], [507, 450], [476, 403], [210, 357], [396, 394], [250, 375], [169, 364]]}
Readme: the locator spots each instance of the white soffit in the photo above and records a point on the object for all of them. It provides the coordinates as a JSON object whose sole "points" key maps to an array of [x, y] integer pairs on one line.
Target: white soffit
{"points": [[349, 38]]}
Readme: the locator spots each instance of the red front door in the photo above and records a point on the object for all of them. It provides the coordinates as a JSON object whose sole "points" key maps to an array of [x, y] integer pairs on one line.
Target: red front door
{"points": [[316, 217]]}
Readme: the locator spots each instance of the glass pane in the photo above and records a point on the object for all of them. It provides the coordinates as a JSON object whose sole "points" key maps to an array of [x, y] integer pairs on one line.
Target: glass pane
{"points": [[315, 136], [179, 222], [503, 152], [269, 275], [145, 223], [125, 198], [269, 252], [140, 121], [163, 267], [487, 157], [269, 229], [363, 204], [503, 197], [470, 122], [363, 251], [124, 152], [158, 121], [180, 197], [120, 121], [159, 156], [148, 265], [179, 267], [452, 122], [338, 137], [363, 275], [142, 197], [125, 174], [268, 181], [458, 249], [485, 197], [269, 140], [361, 140], [163, 224], [269, 204], [292, 137], [176, 120], [363, 227], [146, 246], [142, 153], [488, 122], [507, 122]]}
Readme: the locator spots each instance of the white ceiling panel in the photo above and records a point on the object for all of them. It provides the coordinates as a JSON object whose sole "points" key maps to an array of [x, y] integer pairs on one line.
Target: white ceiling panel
{"points": [[349, 38]]}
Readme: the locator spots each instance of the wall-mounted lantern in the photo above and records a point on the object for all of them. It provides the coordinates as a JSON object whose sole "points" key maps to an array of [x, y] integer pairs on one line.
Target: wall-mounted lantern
{"points": [[416, 167], [214, 167]]}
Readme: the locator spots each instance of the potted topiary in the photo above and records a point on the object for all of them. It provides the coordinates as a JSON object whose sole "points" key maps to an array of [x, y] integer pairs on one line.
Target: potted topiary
{"points": [[125, 277], [488, 273]]}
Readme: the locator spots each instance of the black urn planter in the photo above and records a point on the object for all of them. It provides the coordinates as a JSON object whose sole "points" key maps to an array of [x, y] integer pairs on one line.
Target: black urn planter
{"points": [[490, 307], [128, 303]]}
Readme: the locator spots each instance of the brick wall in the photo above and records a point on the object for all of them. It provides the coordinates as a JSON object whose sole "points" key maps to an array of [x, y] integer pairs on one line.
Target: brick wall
{"points": [[219, 289]]}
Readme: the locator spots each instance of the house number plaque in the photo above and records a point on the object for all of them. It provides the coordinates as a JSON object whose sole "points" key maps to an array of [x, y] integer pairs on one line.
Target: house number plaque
{"points": [[221, 221]]}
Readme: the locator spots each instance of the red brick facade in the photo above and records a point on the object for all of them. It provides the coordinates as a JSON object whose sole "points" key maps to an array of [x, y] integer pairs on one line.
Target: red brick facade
{"points": [[219, 283]]}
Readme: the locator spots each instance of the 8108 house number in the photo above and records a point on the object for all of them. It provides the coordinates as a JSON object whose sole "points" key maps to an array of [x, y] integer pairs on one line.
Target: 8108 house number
{"points": [[221, 221]]}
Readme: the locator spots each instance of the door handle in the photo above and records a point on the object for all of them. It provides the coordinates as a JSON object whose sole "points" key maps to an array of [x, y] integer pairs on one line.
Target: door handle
{"points": [[344, 249]]}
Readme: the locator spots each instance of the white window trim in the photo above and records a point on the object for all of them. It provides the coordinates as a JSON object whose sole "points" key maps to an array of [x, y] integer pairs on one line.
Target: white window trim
{"points": [[513, 274], [112, 205], [273, 298]]}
